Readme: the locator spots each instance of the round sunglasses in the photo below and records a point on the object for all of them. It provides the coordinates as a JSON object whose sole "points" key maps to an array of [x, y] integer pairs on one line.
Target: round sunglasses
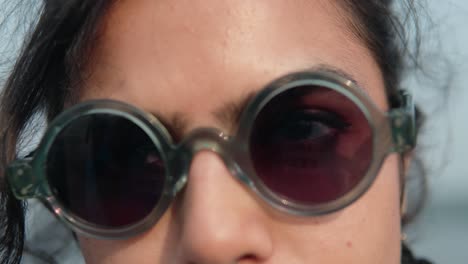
{"points": [[309, 143]]}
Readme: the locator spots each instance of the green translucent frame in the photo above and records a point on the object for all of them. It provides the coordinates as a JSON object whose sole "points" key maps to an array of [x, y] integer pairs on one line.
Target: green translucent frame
{"points": [[394, 131]]}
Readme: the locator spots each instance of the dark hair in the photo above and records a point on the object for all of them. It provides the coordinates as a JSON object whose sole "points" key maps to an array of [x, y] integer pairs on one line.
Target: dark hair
{"points": [[49, 70]]}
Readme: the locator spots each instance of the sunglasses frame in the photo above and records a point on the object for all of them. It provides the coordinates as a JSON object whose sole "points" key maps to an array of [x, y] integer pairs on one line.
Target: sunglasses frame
{"points": [[394, 131]]}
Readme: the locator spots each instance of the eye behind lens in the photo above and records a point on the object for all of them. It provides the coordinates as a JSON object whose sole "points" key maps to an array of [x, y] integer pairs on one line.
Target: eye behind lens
{"points": [[310, 145], [306, 125]]}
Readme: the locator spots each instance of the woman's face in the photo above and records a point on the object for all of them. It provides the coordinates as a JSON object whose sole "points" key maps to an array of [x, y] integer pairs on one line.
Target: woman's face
{"points": [[186, 60]]}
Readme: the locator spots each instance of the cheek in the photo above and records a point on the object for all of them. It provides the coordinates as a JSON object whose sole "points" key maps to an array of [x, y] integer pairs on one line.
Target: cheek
{"points": [[119, 252], [376, 217], [116, 252]]}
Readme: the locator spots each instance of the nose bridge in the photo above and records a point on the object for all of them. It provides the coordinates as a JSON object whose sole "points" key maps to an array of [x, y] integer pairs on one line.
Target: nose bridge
{"points": [[206, 139], [223, 223]]}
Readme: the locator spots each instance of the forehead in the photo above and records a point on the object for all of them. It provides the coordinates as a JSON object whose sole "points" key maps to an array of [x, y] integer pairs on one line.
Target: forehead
{"points": [[151, 52]]}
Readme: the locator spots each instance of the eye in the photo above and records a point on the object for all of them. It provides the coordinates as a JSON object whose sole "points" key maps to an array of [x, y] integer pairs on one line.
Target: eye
{"points": [[309, 125]]}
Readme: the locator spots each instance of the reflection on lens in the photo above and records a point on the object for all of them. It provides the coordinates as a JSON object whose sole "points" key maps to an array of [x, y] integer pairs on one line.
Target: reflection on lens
{"points": [[311, 145], [106, 170]]}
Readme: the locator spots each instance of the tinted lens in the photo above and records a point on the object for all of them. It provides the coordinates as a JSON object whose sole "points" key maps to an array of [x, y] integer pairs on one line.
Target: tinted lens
{"points": [[106, 170], [311, 145]]}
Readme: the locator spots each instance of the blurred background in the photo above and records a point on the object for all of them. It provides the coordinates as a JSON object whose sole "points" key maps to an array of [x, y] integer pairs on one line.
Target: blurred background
{"points": [[440, 233]]}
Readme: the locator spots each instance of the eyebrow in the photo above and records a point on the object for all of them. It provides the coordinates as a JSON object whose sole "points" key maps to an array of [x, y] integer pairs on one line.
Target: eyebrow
{"points": [[229, 114], [176, 123]]}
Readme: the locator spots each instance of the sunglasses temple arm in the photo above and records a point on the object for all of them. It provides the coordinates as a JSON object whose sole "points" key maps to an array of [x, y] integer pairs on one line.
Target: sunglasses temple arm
{"points": [[403, 124]]}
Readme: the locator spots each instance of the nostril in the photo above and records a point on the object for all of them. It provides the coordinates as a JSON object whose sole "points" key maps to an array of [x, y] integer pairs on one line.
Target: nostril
{"points": [[247, 258]]}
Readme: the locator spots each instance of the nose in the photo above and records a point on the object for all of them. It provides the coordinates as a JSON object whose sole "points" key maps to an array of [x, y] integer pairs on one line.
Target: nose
{"points": [[221, 222]]}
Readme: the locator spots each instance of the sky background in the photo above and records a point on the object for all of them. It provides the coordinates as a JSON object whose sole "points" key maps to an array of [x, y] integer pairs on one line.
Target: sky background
{"points": [[441, 232]]}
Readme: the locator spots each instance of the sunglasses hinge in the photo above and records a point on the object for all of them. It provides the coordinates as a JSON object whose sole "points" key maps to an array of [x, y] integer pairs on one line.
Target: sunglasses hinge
{"points": [[403, 130], [21, 179]]}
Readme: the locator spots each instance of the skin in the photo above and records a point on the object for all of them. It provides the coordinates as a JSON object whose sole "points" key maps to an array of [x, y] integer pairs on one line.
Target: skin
{"points": [[185, 60]]}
